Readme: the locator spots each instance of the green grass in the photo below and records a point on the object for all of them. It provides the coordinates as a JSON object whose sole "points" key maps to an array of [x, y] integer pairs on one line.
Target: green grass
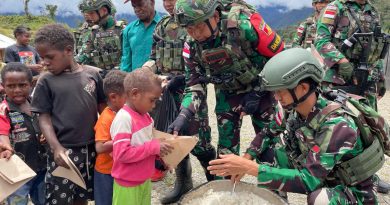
{"points": [[9, 23]]}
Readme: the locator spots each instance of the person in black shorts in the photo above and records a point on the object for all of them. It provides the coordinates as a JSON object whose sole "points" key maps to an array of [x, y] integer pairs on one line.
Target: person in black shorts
{"points": [[68, 99]]}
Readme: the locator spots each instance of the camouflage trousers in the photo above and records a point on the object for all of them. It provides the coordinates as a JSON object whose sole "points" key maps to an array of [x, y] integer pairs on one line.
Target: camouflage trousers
{"points": [[228, 110], [199, 127], [341, 195], [277, 157]]}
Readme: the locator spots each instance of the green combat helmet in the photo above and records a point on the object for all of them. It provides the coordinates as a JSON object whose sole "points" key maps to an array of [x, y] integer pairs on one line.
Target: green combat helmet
{"points": [[94, 5], [286, 69], [195, 11]]}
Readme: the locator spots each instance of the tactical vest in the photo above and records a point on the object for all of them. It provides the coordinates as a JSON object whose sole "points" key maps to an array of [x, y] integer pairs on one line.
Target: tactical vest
{"points": [[107, 47], [362, 166], [310, 34], [169, 45], [231, 66], [78, 36], [347, 26]]}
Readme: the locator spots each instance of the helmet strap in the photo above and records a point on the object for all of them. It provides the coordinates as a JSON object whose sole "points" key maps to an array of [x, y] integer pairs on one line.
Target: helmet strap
{"points": [[213, 31], [101, 17], [300, 100]]}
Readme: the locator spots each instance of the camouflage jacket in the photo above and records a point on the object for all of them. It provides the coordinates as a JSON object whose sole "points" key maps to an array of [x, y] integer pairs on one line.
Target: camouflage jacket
{"points": [[167, 47], [336, 140], [101, 46], [227, 61], [306, 33], [336, 24]]}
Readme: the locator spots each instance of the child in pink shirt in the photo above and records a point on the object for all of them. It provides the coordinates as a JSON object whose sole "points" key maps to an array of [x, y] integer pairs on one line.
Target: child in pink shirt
{"points": [[134, 149]]}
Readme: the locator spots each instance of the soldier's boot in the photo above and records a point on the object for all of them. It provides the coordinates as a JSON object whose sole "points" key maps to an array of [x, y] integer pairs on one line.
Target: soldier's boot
{"points": [[383, 187], [183, 182], [204, 160]]}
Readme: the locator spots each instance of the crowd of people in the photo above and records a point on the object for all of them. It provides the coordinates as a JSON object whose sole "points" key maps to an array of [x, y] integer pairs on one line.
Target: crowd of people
{"points": [[90, 95]]}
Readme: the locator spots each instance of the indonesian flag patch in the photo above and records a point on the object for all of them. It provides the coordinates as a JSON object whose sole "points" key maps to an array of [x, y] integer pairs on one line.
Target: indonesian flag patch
{"points": [[329, 14], [300, 29], [186, 50], [279, 115]]}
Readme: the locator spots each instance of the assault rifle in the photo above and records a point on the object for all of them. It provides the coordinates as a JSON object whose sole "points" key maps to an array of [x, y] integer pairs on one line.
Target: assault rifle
{"points": [[361, 71]]}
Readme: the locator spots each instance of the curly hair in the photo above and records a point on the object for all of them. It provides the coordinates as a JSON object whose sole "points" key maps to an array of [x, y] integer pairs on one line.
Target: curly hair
{"points": [[142, 79], [55, 35], [16, 67], [113, 82]]}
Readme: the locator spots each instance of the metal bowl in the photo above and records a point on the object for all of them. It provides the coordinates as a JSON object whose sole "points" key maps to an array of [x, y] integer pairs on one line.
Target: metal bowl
{"points": [[226, 185]]}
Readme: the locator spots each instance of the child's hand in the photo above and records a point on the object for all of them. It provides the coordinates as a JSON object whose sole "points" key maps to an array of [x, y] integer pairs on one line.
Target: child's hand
{"points": [[165, 148], [6, 154], [42, 139], [60, 150], [4, 146]]}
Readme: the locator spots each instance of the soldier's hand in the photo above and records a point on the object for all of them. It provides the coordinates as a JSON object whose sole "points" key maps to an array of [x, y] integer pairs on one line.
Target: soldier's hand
{"points": [[176, 82], [238, 177], [181, 122], [346, 70], [233, 165], [250, 103]]}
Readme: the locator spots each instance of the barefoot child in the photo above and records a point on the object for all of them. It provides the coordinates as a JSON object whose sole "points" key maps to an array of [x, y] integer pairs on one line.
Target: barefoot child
{"points": [[134, 149], [19, 127], [115, 93], [67, 98]]}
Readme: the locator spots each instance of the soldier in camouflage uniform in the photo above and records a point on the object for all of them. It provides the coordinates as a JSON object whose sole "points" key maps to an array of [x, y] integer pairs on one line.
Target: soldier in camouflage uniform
{"points": [[344, 51], [318, 141], [227, 46], [166, 59], [100, 43], [306, 31]]}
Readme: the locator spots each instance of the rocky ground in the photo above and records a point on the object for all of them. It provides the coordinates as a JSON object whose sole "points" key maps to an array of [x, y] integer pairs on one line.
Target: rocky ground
{"points": [[247, 133]]}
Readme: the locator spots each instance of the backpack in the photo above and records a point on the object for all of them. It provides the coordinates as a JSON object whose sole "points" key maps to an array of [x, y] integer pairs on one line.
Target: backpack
{"points": [[374, 132]]}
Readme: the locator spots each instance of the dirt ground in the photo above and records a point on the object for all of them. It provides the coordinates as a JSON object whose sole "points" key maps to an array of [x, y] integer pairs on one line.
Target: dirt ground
{"points": [[247, 134]]}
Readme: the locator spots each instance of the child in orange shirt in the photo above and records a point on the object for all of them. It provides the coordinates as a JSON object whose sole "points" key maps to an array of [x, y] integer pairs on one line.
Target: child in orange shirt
{"points": [[103, 181]]}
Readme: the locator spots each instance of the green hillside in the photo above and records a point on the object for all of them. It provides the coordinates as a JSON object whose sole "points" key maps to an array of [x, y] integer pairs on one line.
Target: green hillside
{"points": [[9, 23]]}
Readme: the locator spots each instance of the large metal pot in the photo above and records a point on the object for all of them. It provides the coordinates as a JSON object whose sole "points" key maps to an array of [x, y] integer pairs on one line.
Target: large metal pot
{"points": [[226, 185]]}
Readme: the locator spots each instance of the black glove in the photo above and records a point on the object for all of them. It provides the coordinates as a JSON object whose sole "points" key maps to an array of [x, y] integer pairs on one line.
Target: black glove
{"points": [[250, 103], [181, 121], [176, 82]]}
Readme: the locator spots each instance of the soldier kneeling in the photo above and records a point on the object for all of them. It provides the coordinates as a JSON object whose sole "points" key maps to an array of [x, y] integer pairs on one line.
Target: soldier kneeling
{"points": [[332, 156]]}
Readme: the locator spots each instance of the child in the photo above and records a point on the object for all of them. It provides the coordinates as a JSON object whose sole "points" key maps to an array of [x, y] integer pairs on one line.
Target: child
{"points": [[19, 128], [2, 93], [22, 52], [134, 149], [115, 93], [67, 98]]}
